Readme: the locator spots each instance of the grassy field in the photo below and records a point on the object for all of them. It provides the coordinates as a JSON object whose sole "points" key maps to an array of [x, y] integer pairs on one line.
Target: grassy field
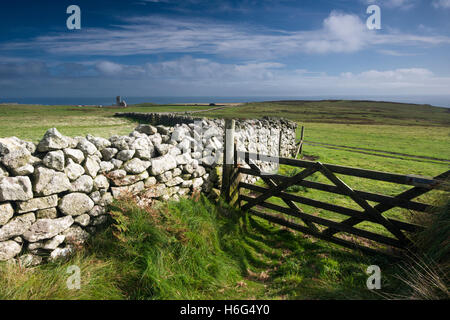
{"points": [[419, 130], [428, 141], [342, 111], [322, 117], [248, 249], [213, 252], [30, 122], [434, 146]]}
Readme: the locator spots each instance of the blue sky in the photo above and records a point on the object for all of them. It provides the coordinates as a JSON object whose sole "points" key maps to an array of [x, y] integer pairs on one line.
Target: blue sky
{"points": [[224, 48]]}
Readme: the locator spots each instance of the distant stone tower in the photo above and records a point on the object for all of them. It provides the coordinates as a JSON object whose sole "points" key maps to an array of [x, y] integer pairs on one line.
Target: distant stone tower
{"points": [[120, 102]]}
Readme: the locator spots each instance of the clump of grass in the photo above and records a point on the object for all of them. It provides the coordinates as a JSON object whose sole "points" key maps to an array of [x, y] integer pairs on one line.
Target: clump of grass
{"points": [[426, 273], [49, 281], [173, 251], [194, 249], [169, 252], [435, 239], [424, 279]]}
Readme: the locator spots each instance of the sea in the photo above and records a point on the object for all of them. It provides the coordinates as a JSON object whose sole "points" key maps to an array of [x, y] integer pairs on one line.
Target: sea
{"points": [[439, 101]]}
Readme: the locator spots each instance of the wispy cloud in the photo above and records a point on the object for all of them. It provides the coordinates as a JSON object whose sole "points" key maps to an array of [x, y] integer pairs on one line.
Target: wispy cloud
{"points": [[23, 69], [203, 77], [415, 74], [445, 4], [340, 33], [395, 53], [191, 68], [396, 4], [182, 54]]}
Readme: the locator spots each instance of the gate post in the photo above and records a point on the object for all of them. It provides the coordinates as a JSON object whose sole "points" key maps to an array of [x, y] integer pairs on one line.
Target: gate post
{"points": [[228, 158], [300, 144], [280, 137]]}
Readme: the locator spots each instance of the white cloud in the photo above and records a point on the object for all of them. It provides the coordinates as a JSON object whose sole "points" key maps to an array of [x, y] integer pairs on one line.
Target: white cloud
{"points": [[395, 53], [13, 69], [402, 4], [190, 76], [407, 81], [109, 67], [194, 69], [445, 4], [204, 73], [258, 73], [340, 33], [415, 74]]}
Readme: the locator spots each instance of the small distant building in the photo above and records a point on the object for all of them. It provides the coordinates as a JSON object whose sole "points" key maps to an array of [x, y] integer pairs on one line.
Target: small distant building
{"points": [[120, 102]]}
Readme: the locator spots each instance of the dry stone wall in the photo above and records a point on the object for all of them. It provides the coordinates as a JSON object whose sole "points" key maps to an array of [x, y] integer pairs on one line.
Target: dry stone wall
{"points": [[249, 132], [55, 194]]}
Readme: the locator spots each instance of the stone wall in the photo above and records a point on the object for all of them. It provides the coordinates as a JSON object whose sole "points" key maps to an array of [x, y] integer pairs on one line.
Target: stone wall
{"points": [[55, 194], [253, 130]]}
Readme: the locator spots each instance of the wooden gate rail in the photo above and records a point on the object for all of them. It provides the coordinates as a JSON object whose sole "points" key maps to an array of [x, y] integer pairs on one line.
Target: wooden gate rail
{"points": [[331, 207], [277, 184], [382, 207], [329, 223], [364, 204], [388, 200], [319, 235], [412, 180], [291, 204]]}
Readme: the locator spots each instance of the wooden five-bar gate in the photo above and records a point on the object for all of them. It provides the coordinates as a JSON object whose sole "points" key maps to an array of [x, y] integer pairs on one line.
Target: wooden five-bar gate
{"points": [[255, 199]]}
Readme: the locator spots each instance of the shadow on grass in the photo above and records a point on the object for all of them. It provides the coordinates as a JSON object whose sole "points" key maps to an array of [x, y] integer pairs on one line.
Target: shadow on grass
{"points": [[194, 249], [294, 266]]}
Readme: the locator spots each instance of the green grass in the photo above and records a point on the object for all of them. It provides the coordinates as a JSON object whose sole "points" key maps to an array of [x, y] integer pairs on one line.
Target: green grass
{"points": [[345, 158], [412, 129], [341, 111], [245, 257], [429, 141], [402, 128], [49, 282], [426, 272], [196, 250], [389, 138], [30, 122]]}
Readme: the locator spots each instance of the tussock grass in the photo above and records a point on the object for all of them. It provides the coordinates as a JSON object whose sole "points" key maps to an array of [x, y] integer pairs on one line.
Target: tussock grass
{"points": [[426, 273], [49, 281], [434, 241], [424, 279], [173, 252], [194, 249]]}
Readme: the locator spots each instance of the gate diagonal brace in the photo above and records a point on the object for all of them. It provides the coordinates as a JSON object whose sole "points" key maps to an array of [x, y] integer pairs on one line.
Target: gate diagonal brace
{"points": [[406, 195], [291, 204], [279, 188], [363, 203]]}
